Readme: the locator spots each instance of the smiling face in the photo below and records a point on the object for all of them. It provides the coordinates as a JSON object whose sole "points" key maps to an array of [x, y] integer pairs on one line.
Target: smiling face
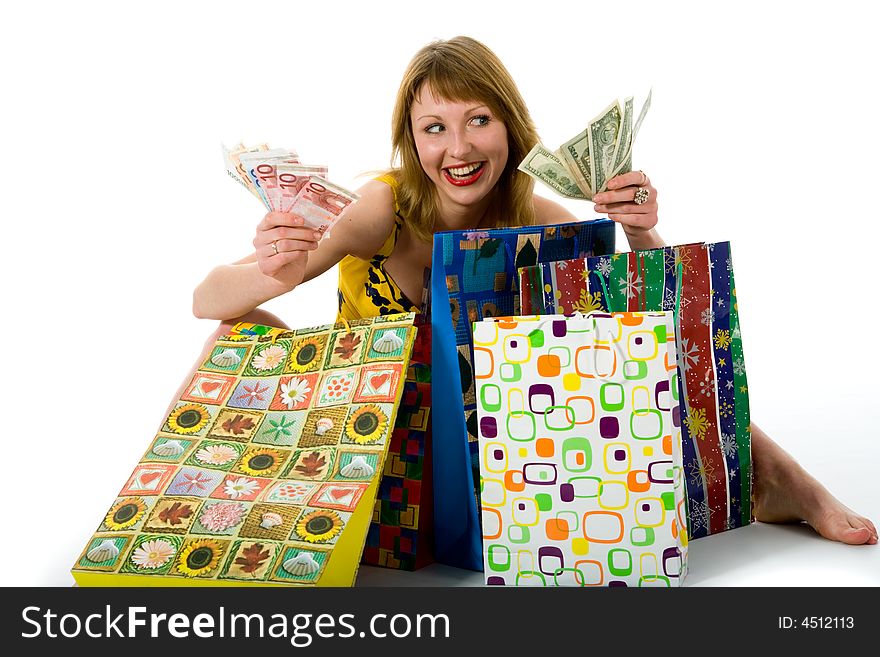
{"points": [[462, 147]]}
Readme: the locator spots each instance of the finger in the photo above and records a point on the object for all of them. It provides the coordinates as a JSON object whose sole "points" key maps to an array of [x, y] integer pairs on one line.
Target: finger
{"points": [[624, 194], [618, 195], [283, 232], [615, 196], [274, 219], [626, 208], [634, 220], [286, 246], [276, 263], [637, 178]]}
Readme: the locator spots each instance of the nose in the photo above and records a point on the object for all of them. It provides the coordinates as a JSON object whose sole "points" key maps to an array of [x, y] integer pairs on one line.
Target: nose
{"points": [[460, 143]]}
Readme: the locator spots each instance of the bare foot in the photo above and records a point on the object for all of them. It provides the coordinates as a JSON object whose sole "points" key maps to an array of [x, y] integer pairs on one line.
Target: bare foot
{"points": [[785, 492]]}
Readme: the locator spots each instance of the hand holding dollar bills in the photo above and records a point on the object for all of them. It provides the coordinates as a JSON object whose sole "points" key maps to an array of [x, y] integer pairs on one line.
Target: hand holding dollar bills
{"points": [[284, 184], [581, 167]]}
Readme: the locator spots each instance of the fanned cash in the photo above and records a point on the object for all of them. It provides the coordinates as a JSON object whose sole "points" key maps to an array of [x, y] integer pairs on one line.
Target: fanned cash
{"points": [[235, 169], [284, 184], [549, 169], [583, 165], [289, 181], [259, 168], [321, 203]]}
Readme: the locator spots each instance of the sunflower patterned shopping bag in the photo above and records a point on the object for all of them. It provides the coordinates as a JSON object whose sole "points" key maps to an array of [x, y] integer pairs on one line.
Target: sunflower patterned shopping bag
{"points": [[696, 283], [266, 470]]}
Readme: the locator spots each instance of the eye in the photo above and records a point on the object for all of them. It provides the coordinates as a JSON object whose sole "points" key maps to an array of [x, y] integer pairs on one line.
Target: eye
{"points": [[481, 119], [434, 128]]}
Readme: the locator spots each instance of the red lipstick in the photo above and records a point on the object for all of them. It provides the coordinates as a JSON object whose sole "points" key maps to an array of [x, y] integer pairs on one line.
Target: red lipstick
{"points": [[469, 180]]}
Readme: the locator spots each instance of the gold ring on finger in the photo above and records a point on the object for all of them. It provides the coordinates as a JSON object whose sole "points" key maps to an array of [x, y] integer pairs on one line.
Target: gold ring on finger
{"points": [[641, 195], [275, 247]]}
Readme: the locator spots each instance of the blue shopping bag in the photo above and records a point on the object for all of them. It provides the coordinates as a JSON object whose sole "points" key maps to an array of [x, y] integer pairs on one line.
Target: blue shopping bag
{"points": [[474, 276]]}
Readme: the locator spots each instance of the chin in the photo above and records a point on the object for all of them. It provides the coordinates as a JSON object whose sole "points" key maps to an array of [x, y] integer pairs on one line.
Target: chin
{"points": [[468, 199]]}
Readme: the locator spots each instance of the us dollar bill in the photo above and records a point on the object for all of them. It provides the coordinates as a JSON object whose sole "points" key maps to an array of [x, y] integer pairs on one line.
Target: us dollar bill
{"points": [[575, 154], [623, 146], [603, 139], [645, 107], [625, 163], [542, 164]]}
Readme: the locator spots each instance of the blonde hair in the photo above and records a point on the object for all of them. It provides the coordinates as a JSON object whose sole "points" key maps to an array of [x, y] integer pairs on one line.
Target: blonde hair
{"points": [[461, 69]]}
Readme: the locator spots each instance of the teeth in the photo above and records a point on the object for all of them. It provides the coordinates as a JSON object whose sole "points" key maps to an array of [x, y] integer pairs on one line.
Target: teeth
{"points": [[461, 172]]}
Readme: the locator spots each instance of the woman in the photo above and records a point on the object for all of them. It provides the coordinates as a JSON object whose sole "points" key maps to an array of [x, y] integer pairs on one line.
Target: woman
{"points": [[460, 128]]}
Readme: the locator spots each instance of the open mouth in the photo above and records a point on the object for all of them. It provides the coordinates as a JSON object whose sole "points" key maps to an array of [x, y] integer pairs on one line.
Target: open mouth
{"points": [[464, 175]]}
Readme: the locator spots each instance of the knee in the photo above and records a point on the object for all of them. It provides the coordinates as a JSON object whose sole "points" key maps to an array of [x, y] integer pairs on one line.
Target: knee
{"points": [[257, 316], [222, 329]]}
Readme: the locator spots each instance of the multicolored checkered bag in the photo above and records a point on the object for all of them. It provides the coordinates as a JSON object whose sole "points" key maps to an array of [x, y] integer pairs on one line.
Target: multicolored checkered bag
{"points": [[401, 534]]}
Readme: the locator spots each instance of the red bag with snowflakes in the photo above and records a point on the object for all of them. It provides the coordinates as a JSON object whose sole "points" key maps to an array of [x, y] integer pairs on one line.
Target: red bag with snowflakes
{"points": [[696, 282]]}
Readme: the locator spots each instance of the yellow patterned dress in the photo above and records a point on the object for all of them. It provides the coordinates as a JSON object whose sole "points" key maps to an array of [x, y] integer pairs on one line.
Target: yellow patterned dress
{"points": [[365, 289]]}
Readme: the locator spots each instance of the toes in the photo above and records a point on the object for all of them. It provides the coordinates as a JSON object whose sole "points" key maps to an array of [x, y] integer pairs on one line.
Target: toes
{"points": [[866, 524], [854, 536], [847, 528], [860, 531]]}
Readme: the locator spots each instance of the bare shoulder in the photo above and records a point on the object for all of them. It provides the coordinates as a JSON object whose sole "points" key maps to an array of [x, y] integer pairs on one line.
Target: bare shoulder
{"points": [[550, 212], [364, 228]]}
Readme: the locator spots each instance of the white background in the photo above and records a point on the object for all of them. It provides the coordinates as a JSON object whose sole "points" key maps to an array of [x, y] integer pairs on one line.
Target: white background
{"points": [[115, 204]]}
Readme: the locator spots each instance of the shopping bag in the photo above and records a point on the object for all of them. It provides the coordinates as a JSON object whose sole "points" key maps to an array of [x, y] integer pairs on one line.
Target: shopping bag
{"points": [[401, 534], [266, 470], [473, 276], [695, 281], [580, 451]]}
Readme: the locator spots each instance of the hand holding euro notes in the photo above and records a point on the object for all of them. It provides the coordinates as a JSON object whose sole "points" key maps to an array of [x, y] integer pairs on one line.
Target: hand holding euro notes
{"points": [[582, 166], [284, 184]]}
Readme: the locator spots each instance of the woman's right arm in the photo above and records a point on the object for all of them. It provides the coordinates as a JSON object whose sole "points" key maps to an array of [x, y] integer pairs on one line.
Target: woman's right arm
{"points": [[233, 290]]}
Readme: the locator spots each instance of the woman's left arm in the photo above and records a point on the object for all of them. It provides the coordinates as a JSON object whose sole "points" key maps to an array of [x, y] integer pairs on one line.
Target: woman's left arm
{"points": [[637, 219]]}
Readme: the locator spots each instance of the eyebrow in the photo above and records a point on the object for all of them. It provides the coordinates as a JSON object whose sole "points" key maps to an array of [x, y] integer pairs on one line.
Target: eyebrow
{"points": [[434, 116]]}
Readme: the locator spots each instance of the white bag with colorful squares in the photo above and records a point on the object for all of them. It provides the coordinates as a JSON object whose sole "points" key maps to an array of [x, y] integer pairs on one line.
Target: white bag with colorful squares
{"points": [[580, 450]]}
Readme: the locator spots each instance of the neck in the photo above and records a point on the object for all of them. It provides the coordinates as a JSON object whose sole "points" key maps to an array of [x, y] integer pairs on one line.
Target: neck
{"points": [[462, 217]]}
